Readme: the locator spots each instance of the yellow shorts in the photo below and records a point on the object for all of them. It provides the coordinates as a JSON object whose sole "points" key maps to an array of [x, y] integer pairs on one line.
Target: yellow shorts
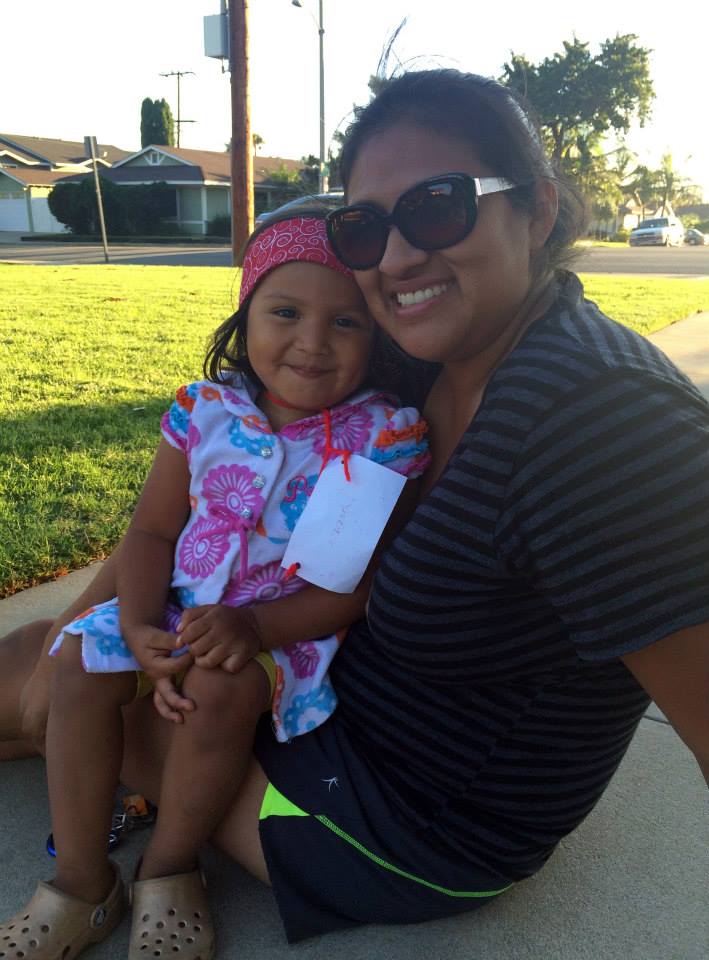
{"points": [[145, 684]]}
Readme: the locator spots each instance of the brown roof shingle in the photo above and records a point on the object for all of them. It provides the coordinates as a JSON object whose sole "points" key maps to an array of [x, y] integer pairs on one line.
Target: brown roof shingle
{"points": [[54, 152]]}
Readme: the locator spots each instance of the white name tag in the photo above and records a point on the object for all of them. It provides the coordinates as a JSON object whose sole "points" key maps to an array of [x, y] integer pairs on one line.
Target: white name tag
{"points": [[335, 536]]}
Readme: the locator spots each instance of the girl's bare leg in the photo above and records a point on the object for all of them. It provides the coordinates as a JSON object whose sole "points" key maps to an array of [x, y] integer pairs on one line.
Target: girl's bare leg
{"points": [[147, 740], [84, 754], [205, 764]]}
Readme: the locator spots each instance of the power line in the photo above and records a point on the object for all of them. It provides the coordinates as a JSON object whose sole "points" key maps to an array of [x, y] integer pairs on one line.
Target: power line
{"points": [[179, 74]]}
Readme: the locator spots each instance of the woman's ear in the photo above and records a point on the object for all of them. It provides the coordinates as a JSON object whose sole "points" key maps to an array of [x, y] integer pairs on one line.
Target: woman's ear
{"points": [[546, 209]]}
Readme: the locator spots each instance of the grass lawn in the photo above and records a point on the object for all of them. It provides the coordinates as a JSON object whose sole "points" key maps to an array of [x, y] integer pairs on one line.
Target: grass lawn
{"points": [[90, 358]]}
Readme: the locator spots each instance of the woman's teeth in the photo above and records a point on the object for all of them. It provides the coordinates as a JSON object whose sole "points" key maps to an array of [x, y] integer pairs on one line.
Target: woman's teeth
{"points": [[420, 296]]}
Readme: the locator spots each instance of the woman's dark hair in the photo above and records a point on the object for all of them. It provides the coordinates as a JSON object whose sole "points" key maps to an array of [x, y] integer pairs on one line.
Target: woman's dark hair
{"points": [[227, 352], [487, 115]]}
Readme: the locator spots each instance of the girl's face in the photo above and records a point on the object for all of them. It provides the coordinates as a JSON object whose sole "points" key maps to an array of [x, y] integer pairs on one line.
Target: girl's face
{"points": [[468, 294], [308, 337]]}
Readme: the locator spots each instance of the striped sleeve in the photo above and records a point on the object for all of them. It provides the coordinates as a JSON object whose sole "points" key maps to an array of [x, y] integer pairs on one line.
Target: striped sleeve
{"points": [[607, 513]]}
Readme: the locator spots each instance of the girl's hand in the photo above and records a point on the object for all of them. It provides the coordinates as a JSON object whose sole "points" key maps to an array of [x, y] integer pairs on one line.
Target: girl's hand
{"points": [[153, 649], [169, 702], [220, 636]]}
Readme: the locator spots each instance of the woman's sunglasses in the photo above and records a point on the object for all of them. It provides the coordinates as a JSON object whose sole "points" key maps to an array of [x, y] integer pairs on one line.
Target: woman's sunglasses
{"points": [[433, 215]]}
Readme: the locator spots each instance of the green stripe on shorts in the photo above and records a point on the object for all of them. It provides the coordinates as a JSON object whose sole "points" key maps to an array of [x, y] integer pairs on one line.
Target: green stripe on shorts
{"points": [[276, 805]]}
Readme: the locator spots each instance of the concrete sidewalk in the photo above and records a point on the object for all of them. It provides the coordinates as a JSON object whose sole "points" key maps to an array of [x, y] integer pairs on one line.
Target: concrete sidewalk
{"points": [[629, 884]]}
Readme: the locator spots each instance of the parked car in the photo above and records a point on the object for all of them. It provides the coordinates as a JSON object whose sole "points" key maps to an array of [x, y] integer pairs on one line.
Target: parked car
{"points": [[658, 231], [330, 200], [696, 237]]}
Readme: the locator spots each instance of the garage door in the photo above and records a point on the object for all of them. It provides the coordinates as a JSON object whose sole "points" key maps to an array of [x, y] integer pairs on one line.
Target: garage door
{"points": [[43, 220], [13, 214]]}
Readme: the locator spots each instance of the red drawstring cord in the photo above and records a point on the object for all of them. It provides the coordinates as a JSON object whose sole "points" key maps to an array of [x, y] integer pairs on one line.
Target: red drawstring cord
{"points": [[331, 451]]}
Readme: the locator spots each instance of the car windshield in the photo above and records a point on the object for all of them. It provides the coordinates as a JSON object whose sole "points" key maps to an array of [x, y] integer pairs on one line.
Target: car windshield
{"points": [[658, 222]]}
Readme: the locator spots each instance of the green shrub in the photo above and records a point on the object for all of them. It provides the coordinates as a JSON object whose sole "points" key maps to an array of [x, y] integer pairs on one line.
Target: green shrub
{"points": [[219, 226], [621, 236], [127, 210]]}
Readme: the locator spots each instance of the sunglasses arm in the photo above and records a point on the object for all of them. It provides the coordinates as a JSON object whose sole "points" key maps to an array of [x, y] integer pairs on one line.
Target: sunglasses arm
{"points": [[485, 185]]}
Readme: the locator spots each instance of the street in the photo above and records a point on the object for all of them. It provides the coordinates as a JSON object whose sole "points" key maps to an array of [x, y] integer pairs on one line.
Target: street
{"points": [[663, 261]]}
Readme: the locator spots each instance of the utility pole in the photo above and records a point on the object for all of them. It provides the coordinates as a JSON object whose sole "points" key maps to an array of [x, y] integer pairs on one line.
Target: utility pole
{"points": [[179, 74], [91, 149], [242, 172]]}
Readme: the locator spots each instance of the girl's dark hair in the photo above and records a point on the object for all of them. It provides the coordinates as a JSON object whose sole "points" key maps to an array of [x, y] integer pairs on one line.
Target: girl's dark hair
{"points": [[227, 352], [488, 116]]}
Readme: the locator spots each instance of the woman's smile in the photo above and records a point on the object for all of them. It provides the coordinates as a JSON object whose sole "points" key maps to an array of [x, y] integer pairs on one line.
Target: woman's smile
{"points": [[419, 298]]}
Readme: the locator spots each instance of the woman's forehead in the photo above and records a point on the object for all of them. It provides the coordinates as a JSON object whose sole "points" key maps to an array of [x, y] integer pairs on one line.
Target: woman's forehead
{"points": [[392, 161]]}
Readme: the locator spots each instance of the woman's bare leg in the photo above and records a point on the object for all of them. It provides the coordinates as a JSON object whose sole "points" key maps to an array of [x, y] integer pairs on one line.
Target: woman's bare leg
{"points": [[19, 653], [26, 670], [146, 740]]}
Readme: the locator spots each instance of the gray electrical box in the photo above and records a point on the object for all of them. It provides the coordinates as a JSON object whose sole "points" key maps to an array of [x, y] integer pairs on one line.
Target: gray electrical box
{"points": [[216, 36]]}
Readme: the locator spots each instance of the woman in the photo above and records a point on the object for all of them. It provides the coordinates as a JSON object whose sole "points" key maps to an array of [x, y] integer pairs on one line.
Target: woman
{"points": [[553, 577]]}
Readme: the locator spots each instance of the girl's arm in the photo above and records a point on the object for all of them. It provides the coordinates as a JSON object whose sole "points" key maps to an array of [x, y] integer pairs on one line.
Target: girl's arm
{"points": [[146, 561], [675, 673]]}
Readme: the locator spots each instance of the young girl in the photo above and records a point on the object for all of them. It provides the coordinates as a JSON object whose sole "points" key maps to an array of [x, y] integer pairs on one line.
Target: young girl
{"points": [[241, 454]]}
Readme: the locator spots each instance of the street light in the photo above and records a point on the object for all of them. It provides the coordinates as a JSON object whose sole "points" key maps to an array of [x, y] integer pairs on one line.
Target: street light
{"points": [[322, 179]]}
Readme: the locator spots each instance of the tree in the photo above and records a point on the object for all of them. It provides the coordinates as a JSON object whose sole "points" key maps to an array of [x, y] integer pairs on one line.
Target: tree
{"points": [[156, 123], [257, 141], [579, 98], [673, 188]]}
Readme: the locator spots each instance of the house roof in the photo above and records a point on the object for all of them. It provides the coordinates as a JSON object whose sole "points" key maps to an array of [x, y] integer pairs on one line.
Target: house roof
{"points": [[214, 166], [35, 150], [33, 177]]}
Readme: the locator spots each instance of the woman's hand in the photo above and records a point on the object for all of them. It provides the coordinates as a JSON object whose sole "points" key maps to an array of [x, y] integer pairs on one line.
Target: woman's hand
{"points": [[220, 636]]}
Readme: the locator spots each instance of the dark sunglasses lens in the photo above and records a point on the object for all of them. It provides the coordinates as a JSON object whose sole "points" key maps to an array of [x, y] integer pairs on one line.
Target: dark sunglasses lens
{"points": [[358, 237], [436, 215]]}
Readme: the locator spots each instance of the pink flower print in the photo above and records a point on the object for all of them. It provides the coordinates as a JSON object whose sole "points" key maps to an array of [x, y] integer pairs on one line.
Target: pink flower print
{"points": [[230, 491], [193, 437], [261, 584], [351, 426], [234, 398], [303, 658], [203, 548]]}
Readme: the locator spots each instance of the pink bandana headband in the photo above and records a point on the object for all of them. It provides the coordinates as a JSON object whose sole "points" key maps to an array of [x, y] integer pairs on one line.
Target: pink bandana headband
{"points": [[300, 238]]}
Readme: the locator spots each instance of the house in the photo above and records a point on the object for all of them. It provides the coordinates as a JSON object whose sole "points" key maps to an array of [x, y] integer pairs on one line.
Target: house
{"points": [[201, 179], [29, 169]]}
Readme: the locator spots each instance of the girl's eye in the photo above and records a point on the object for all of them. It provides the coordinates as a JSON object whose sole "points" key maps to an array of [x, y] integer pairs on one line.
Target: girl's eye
{"points": [[346, 322], [286, 313]]}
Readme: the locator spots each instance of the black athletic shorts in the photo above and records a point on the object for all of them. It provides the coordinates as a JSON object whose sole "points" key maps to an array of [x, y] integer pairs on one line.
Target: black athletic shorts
{"points": [[339, 854]]}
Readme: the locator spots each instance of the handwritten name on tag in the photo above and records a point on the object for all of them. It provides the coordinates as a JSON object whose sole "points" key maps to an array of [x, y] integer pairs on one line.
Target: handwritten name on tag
{"points": [[337, 532]]}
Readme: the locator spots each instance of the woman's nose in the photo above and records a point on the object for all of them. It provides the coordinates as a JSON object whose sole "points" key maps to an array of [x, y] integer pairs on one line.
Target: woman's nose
{"points": [[400, 257]]}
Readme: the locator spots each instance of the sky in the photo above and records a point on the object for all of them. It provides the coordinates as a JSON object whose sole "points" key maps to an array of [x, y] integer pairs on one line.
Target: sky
{"points": [[68, 71]]}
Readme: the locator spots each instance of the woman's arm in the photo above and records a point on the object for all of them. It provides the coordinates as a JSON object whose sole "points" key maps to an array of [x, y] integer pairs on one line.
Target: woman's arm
{"points": [[675, 673]]}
